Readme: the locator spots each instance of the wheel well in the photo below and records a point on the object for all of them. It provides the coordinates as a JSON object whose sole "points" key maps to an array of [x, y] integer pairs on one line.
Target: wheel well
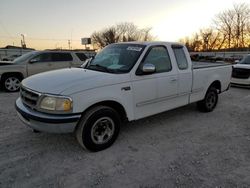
{"points": [[18, 74], [113, 104], [217, 85]]}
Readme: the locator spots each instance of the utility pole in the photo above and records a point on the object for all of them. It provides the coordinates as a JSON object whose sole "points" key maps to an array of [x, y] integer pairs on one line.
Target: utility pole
{"points": [[23, 41], [69, 44]]}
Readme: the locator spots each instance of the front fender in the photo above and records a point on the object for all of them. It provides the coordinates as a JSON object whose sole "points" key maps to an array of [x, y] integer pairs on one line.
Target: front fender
{"points": [[85, 99]]}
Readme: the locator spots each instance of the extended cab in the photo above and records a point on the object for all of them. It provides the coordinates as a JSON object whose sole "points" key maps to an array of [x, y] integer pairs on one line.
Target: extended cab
{"points": [[12, 73], [125, 81]]}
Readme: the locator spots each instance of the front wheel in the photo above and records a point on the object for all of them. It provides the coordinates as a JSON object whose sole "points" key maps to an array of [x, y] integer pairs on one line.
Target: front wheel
{"points": [[11, 83], [98, 128], [209, 102]]}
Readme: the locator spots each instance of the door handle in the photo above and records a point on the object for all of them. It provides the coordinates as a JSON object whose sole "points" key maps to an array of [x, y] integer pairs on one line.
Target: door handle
{"points": [[126, 88], [173, 79]]}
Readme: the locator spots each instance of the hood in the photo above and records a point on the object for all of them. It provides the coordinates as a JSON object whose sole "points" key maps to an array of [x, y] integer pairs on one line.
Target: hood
{"points": [[6, 63], [243, 66], [71, 80], [12, 67]]}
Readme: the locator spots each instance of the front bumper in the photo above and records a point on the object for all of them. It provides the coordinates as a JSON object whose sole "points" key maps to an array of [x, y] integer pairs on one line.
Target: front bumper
{"points": [[63, 123], [240, 82]]}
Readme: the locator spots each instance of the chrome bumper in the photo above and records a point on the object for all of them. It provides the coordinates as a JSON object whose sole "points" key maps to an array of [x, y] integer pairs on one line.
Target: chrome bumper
{"points": [[64, 123]]}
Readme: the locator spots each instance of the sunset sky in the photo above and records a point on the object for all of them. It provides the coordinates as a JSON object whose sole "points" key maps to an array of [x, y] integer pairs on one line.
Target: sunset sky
{"points": [[51, 23]]}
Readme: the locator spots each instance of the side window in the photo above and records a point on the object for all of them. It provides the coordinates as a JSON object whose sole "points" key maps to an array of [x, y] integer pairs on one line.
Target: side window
{"points": [[61, 57], [159, 57], [81, 56], [44, 57], [180, 58]]}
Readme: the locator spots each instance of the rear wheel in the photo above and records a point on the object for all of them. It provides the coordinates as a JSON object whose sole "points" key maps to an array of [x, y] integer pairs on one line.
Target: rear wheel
{"points": [[98, 128], [11, 83], [210, 101]]}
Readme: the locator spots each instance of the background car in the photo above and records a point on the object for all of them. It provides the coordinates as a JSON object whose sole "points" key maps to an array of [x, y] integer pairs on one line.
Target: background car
{"points": [[11, 74], [241, 72], [11, 58]]}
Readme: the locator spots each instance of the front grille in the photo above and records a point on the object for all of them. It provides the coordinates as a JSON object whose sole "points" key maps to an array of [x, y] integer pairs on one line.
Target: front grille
{"points": [[30, 98], [241, 73]]}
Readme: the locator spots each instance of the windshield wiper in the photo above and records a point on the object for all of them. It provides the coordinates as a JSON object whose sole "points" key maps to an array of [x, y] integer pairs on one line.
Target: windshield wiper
{"points": [[99, 67]]}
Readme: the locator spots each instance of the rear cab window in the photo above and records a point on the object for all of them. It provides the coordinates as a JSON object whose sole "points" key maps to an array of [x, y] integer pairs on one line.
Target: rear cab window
{"points": [[180, 57]]}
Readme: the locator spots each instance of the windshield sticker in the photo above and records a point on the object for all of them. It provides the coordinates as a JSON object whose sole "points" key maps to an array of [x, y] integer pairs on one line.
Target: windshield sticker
{"points": [[138, 49]]}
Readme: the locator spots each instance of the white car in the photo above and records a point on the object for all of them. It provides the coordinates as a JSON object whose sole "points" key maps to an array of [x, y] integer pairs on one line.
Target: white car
{"points": [[125, 81], [12, 73], [241, 73], [12, 57]]}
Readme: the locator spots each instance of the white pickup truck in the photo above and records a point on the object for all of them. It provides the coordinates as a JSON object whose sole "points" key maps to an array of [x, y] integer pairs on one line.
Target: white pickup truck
{"points": [[125, 81]]}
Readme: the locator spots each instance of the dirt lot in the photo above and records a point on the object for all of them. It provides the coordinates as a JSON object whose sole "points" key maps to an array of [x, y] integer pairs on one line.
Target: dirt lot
{"points": [[180, 148]]}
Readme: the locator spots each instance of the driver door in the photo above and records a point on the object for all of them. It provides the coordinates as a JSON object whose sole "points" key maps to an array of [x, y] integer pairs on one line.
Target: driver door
{"points": [[40, 63], [155, 92]]}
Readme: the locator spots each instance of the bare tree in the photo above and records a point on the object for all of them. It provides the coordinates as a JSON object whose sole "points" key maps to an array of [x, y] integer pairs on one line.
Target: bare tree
{"points": [[127, 31], [233, 25], [194, 43], [210, 39], [231, 30], [122, 32], [241, 23], [224, 24], [105, 37]]}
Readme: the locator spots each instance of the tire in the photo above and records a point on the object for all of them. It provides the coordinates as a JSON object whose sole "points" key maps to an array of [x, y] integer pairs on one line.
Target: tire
{"points": [[98, 128], [210, 101], [11, 83]]}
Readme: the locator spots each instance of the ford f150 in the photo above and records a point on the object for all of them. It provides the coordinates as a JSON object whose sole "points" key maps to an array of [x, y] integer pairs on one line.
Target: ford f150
{"points": [[125, 81]]}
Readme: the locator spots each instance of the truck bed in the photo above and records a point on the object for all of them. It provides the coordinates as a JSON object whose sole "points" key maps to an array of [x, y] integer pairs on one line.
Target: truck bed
{"points": [[200, 65]]}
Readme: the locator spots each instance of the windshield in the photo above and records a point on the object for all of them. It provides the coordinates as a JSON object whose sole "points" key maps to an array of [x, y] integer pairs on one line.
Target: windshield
{"points": [[246, 60], [24, 57], [116, 58]]}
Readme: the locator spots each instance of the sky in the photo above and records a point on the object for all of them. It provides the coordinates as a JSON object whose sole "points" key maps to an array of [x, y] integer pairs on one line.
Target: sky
{"points": [[51, 23]]}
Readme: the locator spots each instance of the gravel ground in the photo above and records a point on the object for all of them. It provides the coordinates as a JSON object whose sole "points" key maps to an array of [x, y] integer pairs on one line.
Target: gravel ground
{"points": [[179, 148]]}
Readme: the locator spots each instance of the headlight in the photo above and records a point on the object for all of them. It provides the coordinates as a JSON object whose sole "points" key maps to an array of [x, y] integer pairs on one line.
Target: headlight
{"points": [[57, 104]]}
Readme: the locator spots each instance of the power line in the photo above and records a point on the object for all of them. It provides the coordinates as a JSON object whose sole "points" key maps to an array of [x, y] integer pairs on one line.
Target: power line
{"points": [[31, 38], [48, 39]]}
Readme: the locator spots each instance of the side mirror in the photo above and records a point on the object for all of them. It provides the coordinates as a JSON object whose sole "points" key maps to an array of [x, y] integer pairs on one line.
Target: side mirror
{"points": [[236, 61], [148, 68]]}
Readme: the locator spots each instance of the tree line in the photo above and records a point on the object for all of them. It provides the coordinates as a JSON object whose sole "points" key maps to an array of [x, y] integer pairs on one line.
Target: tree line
{"points": [[122, 32], [230, 31]]}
